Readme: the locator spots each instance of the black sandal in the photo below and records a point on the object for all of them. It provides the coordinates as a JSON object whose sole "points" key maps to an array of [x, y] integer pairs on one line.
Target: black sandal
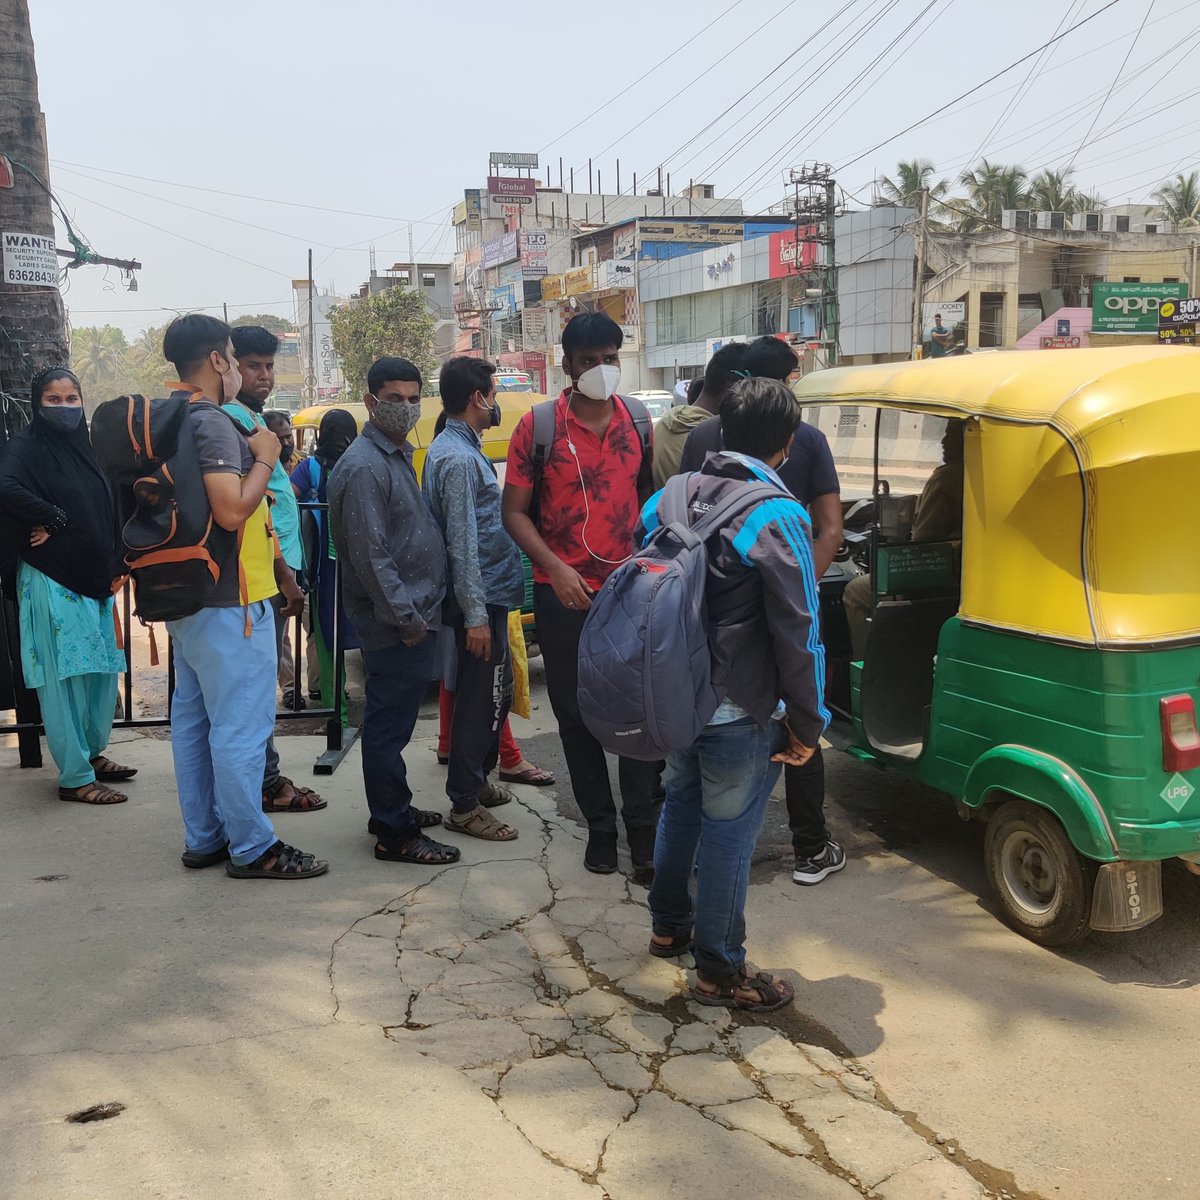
{"points": [[425, 818], [304, 799], [108, 771], [681, 943], [280, 862], [772, 992], [421, 850]]}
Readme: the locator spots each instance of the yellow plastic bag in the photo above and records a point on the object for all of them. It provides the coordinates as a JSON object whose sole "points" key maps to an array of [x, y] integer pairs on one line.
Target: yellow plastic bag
{"points": [[520, 665]]}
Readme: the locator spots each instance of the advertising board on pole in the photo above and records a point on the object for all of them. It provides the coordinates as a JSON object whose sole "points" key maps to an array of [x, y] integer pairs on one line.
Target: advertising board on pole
{"points": [[534, 246], [30, 259]]}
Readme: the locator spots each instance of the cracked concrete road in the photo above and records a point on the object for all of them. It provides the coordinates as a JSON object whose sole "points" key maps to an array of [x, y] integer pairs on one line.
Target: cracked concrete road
{"points": [[495, 1028]]}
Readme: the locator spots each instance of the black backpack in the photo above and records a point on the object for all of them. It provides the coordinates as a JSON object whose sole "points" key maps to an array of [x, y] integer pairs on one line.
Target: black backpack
{"points": [[174, 549]]}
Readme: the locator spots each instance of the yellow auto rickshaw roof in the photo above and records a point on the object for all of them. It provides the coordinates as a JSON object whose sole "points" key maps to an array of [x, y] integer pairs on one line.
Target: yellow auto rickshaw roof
{"points": [[1079, 483]]}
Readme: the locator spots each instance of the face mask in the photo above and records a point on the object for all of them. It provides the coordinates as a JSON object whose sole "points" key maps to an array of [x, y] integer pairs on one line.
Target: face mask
{"points": [[494, 412], [396, 418], [599, 382], [231, 383], [61, 419]]}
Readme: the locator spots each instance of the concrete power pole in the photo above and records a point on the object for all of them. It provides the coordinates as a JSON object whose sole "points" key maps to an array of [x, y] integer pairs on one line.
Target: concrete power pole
{"points": [[33, 332], [919, 279]]}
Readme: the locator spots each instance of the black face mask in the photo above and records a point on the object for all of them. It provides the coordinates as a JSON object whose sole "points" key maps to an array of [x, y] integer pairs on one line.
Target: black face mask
{"points": [[494, 410], [61, 418]]}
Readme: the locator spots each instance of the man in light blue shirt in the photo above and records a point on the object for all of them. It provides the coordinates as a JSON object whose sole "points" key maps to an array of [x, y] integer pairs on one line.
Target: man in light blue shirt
{"points": [[255, 349], [485, 581]]}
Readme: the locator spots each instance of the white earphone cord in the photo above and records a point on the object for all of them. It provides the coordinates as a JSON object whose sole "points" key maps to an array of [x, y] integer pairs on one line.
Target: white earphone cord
{"points": [[587, 515]]}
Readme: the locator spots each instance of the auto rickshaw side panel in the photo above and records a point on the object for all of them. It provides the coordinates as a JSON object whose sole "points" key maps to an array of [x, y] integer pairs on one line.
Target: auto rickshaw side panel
{"points": [[1075, 729]]}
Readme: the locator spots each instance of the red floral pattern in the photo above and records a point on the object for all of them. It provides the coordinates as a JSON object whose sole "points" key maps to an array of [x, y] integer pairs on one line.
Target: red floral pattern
{"points": [[610, 467]]}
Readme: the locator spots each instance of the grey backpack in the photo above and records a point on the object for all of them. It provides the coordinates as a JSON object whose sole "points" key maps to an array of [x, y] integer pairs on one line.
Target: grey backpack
{"points": [[645, 668]]}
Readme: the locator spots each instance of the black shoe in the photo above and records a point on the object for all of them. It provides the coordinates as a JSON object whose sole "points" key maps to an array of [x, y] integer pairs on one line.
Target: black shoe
{"points": [[820, 866], [289, 699], [197, 862], [601, 855], [314, 693], [641, 850]]}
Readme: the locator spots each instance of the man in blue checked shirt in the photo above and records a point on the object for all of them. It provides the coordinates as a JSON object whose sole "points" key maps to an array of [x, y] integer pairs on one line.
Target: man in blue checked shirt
{"points": [[485, 581]]}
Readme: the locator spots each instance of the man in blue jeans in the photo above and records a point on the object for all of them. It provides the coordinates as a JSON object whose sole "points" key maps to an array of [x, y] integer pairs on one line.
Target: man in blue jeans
{"points": [[762, 606], [223, 708], [393, 583]]}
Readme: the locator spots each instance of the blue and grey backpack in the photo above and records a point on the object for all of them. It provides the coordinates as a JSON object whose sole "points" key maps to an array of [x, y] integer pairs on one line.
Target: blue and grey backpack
{"points": [[645, 667]]}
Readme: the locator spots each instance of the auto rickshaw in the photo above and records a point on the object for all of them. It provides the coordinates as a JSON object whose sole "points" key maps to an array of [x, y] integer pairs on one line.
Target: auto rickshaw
{"points": [[1049, 685], [513, 406]]}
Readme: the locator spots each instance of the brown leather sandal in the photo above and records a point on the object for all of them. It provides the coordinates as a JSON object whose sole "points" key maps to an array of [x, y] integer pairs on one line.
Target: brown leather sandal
{"points": [[772, 992], [93, 793], [479, 823], [303, 799]]}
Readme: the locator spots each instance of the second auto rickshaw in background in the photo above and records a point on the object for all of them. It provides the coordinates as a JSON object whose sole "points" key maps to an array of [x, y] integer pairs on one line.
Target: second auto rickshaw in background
{"points": [[1044, 672]]}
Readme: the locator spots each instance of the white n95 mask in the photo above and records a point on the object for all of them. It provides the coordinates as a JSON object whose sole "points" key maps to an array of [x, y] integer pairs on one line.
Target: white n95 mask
{"points": [[599, 382]]}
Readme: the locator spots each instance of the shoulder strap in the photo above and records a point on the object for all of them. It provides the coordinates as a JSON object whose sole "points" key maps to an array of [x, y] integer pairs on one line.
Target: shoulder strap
{"points": [[641, 421], [543, 436]]}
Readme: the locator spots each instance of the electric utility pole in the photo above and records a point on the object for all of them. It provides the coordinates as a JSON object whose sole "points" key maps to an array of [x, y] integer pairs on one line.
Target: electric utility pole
{"points": [[919, 280], [815, 214], [33, 332]]}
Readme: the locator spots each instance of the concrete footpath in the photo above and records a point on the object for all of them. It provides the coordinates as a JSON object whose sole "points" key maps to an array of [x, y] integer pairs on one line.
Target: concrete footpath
{"points": [[495, 1028]]}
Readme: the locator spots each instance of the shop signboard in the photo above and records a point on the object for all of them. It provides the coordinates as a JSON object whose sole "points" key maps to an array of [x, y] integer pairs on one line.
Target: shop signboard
{"points": [[499, 250], [790, 254], [720, 268], [502, 299], [553, 288], [1131, 307], [699, 232], [614, 274], [506, 189], [625, 241], [473, 199], [1177, 319], [534, 245], [533, 326], [513, 158], [578, 281], [1060, 341]]}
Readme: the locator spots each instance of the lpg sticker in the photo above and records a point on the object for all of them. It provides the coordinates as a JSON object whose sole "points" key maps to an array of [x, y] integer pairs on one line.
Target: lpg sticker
{"points": [[1177, 792]]}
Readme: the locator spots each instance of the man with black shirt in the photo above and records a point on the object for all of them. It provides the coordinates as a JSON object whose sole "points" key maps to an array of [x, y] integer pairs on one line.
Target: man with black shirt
{"points": [[809, 474]]}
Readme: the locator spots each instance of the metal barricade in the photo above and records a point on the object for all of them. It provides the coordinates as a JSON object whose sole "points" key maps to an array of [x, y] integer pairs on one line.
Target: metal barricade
{"points": [[338, 737]]}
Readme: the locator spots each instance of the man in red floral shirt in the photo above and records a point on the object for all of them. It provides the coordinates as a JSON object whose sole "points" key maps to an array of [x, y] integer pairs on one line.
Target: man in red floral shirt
{"points": [[574, 517]]}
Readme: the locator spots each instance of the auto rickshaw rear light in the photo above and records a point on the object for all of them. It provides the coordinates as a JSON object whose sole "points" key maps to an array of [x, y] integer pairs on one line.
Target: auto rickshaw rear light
{"points": [[1180, 737]]}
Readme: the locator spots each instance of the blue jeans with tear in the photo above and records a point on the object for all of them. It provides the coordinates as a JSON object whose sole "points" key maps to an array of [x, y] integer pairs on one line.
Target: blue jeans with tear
{"points": [[222, 713], [717, 793]]}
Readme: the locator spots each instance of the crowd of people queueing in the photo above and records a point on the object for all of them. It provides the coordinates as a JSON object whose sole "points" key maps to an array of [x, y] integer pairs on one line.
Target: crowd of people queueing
{"points": [[438, 559]]}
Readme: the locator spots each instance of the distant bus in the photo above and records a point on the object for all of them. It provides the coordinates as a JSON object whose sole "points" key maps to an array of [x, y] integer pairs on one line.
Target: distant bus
{"points": [[513, 381]]}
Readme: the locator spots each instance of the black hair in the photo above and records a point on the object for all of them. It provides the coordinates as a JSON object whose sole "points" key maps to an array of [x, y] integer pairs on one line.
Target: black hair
{"points": [[758, 417], [50, 375], [276, 416], [770, 358], [391, 370], [191, 339], [254, 339], [460, 379], [719, 374], [694, 390], [590, 331]]}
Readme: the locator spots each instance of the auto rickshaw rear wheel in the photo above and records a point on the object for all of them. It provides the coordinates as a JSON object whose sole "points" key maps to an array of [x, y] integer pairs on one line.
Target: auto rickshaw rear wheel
{"points": [[1042, 882]]}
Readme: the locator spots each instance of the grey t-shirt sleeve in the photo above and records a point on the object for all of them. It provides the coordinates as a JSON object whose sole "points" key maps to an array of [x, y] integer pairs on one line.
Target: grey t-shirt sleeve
{"points": [[220, 448]]}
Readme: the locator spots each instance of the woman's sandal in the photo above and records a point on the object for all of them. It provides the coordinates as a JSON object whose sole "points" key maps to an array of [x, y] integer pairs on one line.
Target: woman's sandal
{"points": [[529, 775], [92, 793], [421, 850], [426, 818], [772, 993], [303, 799], [479, 823], [110, 772], [681, 943], [491, 796], [280, 862]]}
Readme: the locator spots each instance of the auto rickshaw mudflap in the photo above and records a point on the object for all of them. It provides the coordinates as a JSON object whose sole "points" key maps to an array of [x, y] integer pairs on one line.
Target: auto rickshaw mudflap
{"points": [[1127, 896]]}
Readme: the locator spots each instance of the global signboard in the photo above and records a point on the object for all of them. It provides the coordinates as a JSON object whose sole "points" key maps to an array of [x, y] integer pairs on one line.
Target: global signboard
{"points": [[1131, 307]]}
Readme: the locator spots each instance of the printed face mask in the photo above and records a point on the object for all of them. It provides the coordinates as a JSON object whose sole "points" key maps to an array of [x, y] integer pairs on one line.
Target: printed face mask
{"points": [[61, 418], [599, 382], [396, 418]]}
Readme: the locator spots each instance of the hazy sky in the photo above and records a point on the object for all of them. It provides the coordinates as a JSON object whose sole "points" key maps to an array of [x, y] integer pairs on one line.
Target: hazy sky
{"points": [[384, 112]]}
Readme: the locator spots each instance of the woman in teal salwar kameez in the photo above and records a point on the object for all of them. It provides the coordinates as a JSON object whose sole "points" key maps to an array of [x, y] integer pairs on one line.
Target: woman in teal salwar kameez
{"points": [[60, 518]]}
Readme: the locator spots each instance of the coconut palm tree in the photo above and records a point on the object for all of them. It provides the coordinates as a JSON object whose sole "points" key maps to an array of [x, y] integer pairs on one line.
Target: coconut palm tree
{"points": [[912, 177], [1053, 191], [32, 316], [98, 358], [1180, 200], [991, 188]]}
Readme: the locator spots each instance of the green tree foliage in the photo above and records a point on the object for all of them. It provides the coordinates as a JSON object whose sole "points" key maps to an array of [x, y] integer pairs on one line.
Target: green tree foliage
{"points": [[911, 178], [276, 325], [392, 322], [1180, 200], [991, 188], [148, 370], [99, 359]]}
